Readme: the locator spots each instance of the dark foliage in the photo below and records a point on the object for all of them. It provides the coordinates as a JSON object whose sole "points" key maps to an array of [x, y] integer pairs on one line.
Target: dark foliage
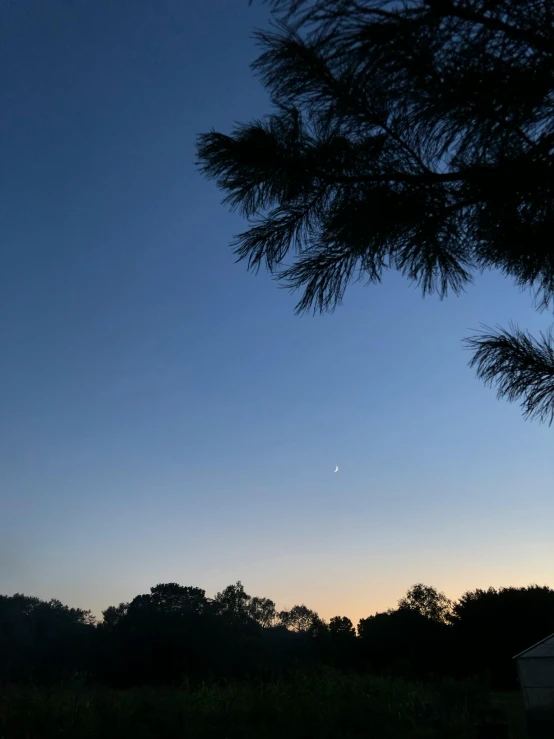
{"points": [[416, 136], [428, 602], [491, 626], [176, 634], [43, 641], [404, 643], [323, 704], [520, 366]]}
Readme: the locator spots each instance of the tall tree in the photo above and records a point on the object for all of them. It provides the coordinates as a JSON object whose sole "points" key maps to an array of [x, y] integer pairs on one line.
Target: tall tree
{"points": [[404, 641], [170, 597], [427, 601], [300, 618], [342, 627], [233, 602], [113, 615], [262, 610], [416, 136]]}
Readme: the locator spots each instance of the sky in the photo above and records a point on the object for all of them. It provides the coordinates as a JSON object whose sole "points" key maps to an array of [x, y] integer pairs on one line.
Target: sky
{"points": [[164, 415]]}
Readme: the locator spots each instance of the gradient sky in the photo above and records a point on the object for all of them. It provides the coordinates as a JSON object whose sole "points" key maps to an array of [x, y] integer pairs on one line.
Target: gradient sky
{"points": [[164, 416]]}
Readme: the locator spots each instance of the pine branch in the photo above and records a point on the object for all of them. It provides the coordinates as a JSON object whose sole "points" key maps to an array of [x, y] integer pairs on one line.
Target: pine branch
{"points": [[271, 238], [457, 10], [324, 273], [521, 367], [414, 135]]}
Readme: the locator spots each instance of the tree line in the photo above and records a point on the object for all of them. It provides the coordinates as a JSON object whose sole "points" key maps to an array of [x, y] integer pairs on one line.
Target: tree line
{"points": [[176, 634]]}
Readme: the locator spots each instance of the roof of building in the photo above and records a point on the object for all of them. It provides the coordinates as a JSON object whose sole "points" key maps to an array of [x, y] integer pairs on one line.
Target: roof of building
{"points": [[543, 648]]}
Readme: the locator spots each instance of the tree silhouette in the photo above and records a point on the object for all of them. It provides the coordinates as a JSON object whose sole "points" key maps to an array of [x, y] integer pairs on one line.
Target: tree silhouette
{"points": [[491, 626], [405, 642], [427, 601], [113, 615], [341, 627], [299, 618], [234, 603], [173, 597], [340, 643], [520, 366], [416, 136], [175, 634], [262, 610], [43, 640]]}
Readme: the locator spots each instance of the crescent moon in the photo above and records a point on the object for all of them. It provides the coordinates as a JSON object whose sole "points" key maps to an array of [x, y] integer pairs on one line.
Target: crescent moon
{"points": [[337, 468]]}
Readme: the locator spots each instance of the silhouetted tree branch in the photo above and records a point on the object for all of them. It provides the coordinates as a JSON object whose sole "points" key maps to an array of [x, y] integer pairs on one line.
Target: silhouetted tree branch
{"points": [[521, 367], [416, 136]]}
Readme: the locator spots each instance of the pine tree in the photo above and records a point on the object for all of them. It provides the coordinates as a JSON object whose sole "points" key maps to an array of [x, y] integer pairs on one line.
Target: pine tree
{"points": [[416, 136]]}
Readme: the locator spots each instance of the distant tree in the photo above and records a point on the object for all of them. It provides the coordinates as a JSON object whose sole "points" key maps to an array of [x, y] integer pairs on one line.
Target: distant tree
{"points": [[339, 648], [416, 136], [178, 598], [233, 602], [174, 632], [492, 626], [262, 610], [160, 636], [319, 628], [113, 615], [342, 627], [299, 618], [404, 642], [427, 601], [43, 640]]}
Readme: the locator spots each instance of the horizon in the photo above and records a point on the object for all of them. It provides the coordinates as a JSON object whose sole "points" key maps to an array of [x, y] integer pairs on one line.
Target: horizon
{"points": [[166, 416], [98, 617]]}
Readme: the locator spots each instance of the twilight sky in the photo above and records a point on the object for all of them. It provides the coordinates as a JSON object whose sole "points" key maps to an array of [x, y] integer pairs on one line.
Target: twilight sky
{"points": [[164, 416]]}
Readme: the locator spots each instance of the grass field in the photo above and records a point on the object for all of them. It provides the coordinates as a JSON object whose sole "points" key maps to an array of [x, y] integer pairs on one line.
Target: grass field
{"points": [[511, 706], [323, 706]]}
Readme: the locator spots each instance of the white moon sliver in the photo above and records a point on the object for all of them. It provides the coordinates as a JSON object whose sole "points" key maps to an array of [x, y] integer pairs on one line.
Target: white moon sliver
{"points": [[337, 468]]}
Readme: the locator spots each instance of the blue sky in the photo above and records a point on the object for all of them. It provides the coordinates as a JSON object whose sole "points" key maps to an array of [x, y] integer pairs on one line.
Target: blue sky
{"points": [[163, 414]]}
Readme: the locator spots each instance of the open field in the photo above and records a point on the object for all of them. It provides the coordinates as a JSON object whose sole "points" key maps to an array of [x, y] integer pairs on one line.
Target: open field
{"points": [[324, 705], [511, 705]]}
